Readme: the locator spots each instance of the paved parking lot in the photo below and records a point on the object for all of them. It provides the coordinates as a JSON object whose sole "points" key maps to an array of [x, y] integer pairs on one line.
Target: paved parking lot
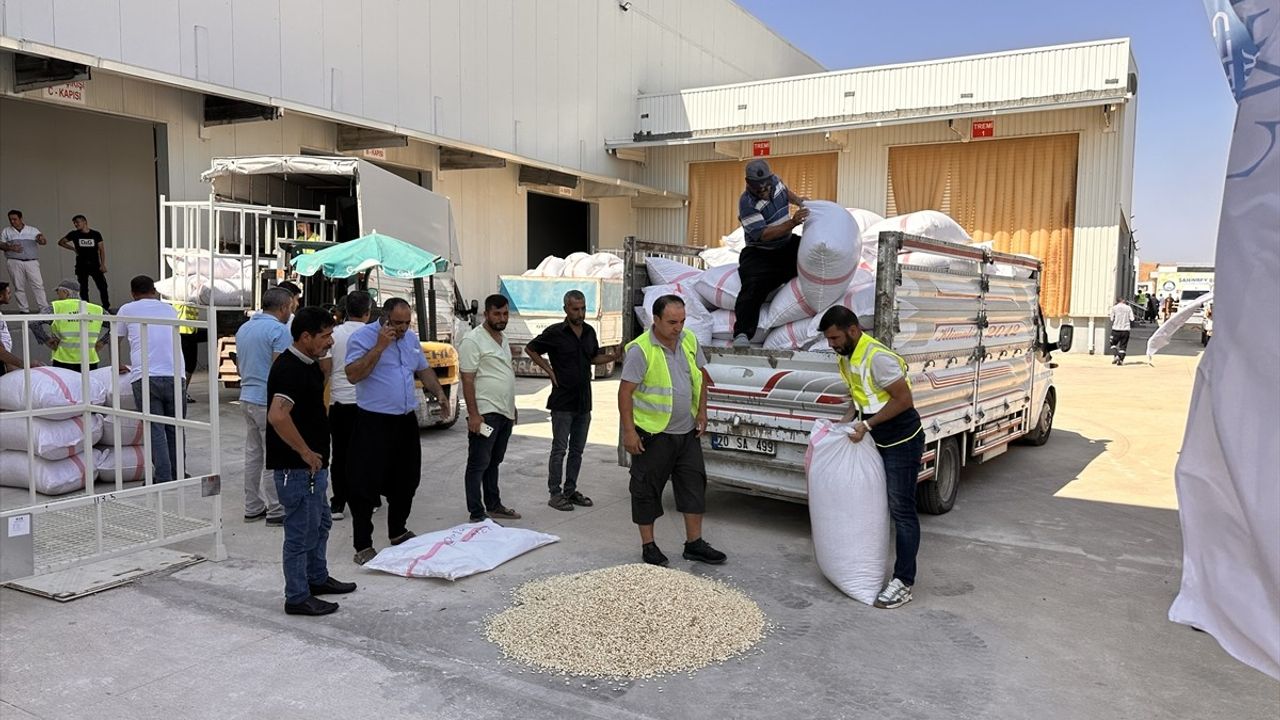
{"points": [[1042, 594]]}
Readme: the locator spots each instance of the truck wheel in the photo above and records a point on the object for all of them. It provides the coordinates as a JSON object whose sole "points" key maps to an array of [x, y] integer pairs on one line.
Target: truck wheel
{"points": [[938, 494], [604, 372], [1039, 434], [457, 406]]}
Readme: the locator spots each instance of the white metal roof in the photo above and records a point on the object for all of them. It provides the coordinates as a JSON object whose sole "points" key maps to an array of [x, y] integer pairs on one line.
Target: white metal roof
{"points": [[1060, 76]]}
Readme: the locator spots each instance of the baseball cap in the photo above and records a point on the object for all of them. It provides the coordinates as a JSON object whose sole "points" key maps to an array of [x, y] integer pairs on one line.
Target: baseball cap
{"points": [[70, 285], [758, 171]]}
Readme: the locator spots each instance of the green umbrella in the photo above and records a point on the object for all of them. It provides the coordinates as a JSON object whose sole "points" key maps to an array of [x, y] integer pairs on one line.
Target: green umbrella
{"points": [[395, 258]]}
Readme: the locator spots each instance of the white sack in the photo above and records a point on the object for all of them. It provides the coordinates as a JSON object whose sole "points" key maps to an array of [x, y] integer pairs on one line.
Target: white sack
{"points": [[178, 287], [722, 324], [130, 431], [665, 272], [697, 319], [52, 439], [829, 253], [50, 388], [795, 335], [225, 292], [861, 297], [715, 257], [51, 477], [133, 463], [931, 224], [848, 509], [551, 266], [459, 551], [789, 305], [720, 286], [196, 262], [103, 376], [735, 240]]}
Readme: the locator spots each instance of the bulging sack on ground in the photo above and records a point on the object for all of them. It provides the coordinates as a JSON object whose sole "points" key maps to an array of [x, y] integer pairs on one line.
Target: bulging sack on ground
{"points": [[459, 551], [51, 477], [666, 272], [848, 509], [720, 286], [133, 463], [51, 439], [829, 252], [50, 388]]}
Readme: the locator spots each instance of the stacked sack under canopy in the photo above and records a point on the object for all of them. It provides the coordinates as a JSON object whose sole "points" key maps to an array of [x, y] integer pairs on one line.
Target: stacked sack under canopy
{"points": [[133, 460], [579, 264], [836, 264], [59, 465]]}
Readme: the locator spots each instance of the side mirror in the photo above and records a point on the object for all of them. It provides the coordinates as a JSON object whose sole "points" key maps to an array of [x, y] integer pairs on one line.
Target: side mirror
{"points": [[1065, 335]]}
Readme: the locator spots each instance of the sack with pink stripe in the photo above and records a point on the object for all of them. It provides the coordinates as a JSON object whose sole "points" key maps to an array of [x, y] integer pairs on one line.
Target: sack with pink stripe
{"points": [[51, 477], [789, 305], [829, 252], [130, 431], [459, 551], [796, 335], [50, 439], [133, 463], [50, 388], [668, 272], [720, 286]]}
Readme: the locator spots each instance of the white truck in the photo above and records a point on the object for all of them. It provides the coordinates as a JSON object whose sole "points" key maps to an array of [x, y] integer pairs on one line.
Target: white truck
{"points": [[973, 336], [538, 302]]}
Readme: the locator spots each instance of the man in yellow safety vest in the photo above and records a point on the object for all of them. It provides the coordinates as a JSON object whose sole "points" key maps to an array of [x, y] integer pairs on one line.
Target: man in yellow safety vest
{"points": [[662, 405], [63, 336], [881, 392]]}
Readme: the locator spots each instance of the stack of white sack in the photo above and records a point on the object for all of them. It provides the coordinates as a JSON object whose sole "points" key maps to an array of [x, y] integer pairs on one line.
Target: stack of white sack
{"points": [[925, 223], [225, 282], [600, 265], [697, 318], [59, 466], [132, 452]]}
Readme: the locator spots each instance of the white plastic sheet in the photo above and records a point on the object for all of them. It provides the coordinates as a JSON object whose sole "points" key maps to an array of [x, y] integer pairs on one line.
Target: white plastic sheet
{"points": [[1166, 331], [848, 509], [459, 551]]}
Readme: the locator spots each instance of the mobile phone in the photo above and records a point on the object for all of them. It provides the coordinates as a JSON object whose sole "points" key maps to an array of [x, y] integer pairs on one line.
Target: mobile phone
{"points": [[486, 429]]}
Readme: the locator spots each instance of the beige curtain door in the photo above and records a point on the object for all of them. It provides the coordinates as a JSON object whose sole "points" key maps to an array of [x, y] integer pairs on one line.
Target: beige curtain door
{"points": [[714, 189]]}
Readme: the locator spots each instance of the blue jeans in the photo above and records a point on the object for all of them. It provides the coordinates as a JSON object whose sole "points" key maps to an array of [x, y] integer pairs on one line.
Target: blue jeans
{"points": [[568, 433], [484, 456], [902, 470], [306, 530], [164, 438]]}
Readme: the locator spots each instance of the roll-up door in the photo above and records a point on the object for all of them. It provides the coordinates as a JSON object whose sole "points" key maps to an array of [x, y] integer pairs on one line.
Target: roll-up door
{"points": [[714, 189], [1018, 193]]}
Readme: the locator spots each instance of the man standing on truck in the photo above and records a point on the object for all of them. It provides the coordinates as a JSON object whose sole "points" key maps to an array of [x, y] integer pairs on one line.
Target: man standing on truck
{"points": [[883, 406], [662, 405], [574, 352], [1121, 321], [258, 343], [489, 387], [769, 258], [382, 360]]}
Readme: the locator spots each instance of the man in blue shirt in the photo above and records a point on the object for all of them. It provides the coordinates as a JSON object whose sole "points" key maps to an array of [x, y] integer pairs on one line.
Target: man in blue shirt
{"points": [[769, 258], [383, 358], [258, 343]]}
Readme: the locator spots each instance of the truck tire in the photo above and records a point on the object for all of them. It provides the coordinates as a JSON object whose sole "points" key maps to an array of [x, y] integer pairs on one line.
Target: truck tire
{"points": [[604, 372], [937, 495], [457, 406], [1039, 434]]}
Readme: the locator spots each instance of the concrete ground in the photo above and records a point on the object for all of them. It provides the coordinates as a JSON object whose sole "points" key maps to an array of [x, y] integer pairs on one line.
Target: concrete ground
{"points": [[1043, 594]]}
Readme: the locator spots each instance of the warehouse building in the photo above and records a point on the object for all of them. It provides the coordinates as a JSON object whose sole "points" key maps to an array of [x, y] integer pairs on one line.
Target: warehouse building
{"points": [[1032, 149]]}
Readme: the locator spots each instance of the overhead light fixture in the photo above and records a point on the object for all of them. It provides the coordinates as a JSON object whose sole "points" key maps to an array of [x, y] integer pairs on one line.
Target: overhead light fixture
{"points": [[624, 5]]}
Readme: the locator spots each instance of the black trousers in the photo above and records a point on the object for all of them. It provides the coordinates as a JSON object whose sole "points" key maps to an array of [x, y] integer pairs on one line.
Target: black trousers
{"points": [[762, 270], [342, 423], [191, 348], [1120, 343], [99, 279], [385, 460]]}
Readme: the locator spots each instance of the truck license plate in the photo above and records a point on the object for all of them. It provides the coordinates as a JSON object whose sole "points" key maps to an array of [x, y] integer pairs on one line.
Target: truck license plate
{"points": [[741, 443]]}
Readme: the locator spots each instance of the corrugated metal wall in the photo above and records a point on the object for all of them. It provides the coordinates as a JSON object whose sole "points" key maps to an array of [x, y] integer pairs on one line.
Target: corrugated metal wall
{"points": [[1061, 73], [1101, 187], [545, 79]]}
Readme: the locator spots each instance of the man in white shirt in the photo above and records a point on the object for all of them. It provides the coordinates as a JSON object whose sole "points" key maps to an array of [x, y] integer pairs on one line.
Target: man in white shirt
{"points": [[161, 369], [342, 398], [489, 386], [19, 242], [1121, 321]]}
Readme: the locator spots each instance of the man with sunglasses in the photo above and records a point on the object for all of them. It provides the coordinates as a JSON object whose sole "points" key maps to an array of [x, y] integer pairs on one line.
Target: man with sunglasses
{"points": [[769, 258]]}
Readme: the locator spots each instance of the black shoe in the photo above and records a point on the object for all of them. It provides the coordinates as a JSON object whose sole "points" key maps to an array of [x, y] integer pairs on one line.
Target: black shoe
{"points": [[403, 537], [478, 518], [333, 587], [255, 517], [311, 606], [276, 521], [578, 498], [653, 555], [560, 502], [701, 551]]}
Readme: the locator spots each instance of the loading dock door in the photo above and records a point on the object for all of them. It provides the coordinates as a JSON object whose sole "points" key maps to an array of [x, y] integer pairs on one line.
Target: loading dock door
{"points": [[557, 226], [714, 189], [1019, 193]]}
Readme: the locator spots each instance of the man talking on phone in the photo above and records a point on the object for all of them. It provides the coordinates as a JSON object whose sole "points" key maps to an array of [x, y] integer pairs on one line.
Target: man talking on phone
{"points": [[383, 358], [489, 387]]}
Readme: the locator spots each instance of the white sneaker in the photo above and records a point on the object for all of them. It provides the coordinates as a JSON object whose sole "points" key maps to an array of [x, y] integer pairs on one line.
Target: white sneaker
{"points": [[895, 594], [741, 341]]}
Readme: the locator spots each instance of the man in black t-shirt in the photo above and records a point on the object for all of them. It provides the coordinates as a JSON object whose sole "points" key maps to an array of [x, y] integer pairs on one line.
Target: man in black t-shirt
{"points": [[91, 258], [297, 447], [574, 351]]}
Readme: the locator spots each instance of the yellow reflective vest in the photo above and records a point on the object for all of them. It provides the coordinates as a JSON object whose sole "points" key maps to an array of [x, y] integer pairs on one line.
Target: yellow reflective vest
{"points": [[68, 331], [652, 400], [869, 397]]}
